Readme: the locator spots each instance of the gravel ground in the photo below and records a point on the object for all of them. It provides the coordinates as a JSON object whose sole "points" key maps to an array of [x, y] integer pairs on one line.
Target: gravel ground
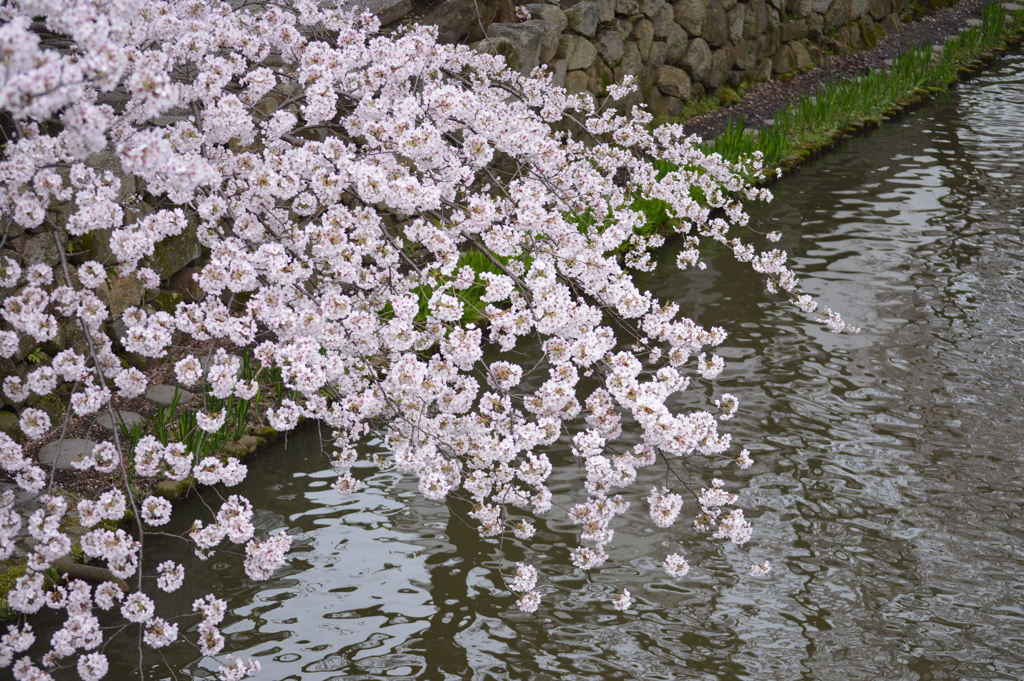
{"points": [[765, 99]]}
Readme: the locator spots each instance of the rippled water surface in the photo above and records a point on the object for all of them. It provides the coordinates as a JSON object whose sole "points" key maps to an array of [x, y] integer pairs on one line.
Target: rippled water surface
{"points": [[887, 490]]}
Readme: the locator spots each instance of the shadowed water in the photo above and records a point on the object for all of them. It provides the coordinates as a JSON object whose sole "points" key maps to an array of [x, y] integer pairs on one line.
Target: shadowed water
{"points": [[887, 488]]}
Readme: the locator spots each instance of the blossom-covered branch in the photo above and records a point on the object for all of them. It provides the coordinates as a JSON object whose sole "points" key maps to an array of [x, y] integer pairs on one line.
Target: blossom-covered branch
{"points": [[339, 181]]}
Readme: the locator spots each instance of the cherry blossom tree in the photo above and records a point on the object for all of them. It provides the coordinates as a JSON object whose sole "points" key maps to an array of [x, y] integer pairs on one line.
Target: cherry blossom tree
{"points": [[375, 211]]}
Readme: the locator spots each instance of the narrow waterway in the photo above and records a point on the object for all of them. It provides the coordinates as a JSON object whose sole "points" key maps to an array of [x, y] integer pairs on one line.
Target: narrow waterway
{"points": [[888, 488]]}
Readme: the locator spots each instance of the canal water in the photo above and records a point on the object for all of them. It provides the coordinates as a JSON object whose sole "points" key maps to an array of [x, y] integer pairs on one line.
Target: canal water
{"points": [[888, 488]]}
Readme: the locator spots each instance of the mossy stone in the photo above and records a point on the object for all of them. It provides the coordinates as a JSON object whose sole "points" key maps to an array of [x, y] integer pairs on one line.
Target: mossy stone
{"points": [[234, 449], [172, 490], [252, 443]]}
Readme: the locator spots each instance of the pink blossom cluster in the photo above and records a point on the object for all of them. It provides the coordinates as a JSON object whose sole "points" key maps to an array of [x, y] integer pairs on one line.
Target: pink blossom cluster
{"points": [[336, 178]]}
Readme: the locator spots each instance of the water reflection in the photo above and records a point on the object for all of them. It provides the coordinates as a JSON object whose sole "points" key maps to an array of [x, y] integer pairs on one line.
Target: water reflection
{"points": [[887, 492]]}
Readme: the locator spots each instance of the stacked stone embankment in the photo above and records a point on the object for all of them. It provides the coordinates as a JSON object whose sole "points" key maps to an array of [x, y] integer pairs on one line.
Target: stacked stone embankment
{"points": [[678, 52]]}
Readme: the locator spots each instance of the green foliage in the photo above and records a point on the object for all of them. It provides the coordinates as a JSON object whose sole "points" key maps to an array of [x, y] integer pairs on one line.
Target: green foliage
{"points": [[472, 305], [10, 571], [172, 424]]}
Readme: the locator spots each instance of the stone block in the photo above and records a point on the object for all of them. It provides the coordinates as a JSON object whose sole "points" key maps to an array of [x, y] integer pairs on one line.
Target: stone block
{"points": [[663, 21], [735, 18], [626, 7], [815, 25], [186, 284], [163, 395], [793, 30], [9, 424], [578, 52], [721, 67], [838, 14], [858, 9], [801, 55], [813, 50], [716, 26], [691, 15], [697, 60], [879, 9], [643, 35], [234, 449], [674, 82], [755, 20], [576, 82], [549, 38], [462, 21], [583, 18], [172, 490], [631, 63], [673, 105], [61, 453], [610, 46], [891, 24], [599, 77], [526, 42], [658, 52], [606, 11], [744, 55], [173, 253], [163, 300], [40, 249], [121, 293], [558, 73], [656, 103], [650, 8], [784, 61], [820, 6], [548, 13], [799, 8], [129, 419], [625, 27], [676, 45]]}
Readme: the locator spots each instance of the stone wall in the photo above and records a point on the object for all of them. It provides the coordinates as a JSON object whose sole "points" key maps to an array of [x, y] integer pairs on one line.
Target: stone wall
{"points": [[677, 51]]}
